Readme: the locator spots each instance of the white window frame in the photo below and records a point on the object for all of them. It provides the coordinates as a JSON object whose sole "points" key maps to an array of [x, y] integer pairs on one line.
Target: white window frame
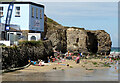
{"points": [[17, 11], [1, 11]]}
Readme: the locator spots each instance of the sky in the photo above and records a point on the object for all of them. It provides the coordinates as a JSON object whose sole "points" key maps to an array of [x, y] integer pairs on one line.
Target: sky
{"points": [[90, 14]]}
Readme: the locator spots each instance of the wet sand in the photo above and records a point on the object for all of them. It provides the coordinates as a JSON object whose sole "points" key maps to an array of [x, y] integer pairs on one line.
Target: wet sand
{"points": [[84, 71]]}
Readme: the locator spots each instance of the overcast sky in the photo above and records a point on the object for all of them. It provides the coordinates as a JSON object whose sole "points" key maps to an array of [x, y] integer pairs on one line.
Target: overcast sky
{"points": [[90, 14]]}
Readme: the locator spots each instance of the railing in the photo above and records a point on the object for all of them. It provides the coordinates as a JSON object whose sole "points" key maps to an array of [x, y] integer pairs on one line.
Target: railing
{"points": [[7, 43]]}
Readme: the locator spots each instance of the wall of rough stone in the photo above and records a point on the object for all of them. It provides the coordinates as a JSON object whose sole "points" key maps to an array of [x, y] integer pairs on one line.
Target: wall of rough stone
{"points": [[13, 57], [76, 40]]}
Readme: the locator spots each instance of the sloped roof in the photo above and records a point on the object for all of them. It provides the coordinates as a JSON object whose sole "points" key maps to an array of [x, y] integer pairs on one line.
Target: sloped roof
{"points": [[23, 2]]}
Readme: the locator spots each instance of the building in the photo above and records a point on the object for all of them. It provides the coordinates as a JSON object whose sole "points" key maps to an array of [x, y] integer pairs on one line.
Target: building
{"points": [[14, 34], [28, 15]]}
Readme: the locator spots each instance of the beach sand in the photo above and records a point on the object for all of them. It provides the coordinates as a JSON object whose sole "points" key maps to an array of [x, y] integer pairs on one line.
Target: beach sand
{"points": [[87, 64], [90, 69]]}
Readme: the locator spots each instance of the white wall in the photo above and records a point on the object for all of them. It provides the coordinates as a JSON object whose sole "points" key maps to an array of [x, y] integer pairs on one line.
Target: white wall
{"points": [[22, 21], [37, 35]]}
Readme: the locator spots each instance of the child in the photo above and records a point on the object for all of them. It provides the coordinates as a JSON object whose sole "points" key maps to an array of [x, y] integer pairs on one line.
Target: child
{"points": [[77, 59]]}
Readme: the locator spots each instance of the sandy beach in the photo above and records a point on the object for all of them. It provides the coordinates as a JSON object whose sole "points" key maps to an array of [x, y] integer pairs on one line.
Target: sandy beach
{"points": [[87, 64], [60, 71]]}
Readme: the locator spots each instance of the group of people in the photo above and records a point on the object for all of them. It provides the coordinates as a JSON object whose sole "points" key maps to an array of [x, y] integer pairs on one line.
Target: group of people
{"points": [[61, 58], [37, 63]]}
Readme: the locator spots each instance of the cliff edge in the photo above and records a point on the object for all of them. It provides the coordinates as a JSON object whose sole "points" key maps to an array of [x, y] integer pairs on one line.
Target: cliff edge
{"points": [[76, 39]]}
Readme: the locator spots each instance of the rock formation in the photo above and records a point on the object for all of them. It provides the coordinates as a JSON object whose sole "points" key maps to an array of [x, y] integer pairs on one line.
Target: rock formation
{"points": [[101, 41], [76, 39], [13, 57], [79, 39]]}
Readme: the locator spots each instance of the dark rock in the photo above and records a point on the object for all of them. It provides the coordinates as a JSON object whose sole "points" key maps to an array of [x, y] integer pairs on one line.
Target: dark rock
{"points": [[77, 39], [13, 57]]}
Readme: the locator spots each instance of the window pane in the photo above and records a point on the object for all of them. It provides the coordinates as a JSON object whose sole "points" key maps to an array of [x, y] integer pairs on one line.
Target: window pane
{"points": [[17, 8], [40, 13], [17, 11], [32, 12], [36, 12], [1, 11], [1, 8]]}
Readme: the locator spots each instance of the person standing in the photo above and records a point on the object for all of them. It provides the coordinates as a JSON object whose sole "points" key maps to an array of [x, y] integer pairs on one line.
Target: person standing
{"points": [[77, 59]]}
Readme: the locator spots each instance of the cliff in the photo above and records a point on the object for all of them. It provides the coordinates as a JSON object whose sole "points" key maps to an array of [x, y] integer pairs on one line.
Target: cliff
{"points": [[76, 39], [13, 57]]}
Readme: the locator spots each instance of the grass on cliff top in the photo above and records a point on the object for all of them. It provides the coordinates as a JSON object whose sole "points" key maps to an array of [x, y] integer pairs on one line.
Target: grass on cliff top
{"points": [[49, 20], [31, 43], [52, 25]]}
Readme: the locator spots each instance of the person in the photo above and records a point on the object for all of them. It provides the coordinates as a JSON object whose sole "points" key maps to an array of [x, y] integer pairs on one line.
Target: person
{"points": [[72, 57], [87, 56], [40, 63], [81, 54], [51, 58], [78, 59], [48, 59], [68, 53], [58, 56]]}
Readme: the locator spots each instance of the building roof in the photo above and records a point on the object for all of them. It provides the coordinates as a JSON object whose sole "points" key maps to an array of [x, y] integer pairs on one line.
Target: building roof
{"points": [[23, 3]]}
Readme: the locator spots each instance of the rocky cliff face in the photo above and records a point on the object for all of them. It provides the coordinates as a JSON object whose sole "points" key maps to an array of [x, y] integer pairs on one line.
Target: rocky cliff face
{"points": [[13, 57], [58, 39], [79, 39], [76, 40], [102, 41]]}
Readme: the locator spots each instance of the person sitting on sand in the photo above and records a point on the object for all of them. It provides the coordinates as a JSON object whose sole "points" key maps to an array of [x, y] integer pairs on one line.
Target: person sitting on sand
{"points": [[87, 56], [51, 58], [77, 59]]}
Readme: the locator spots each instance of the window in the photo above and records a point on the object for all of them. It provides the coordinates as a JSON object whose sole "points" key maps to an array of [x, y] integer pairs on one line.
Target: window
{"points": [[36, 12], [40, 14], [1, 11], [33, 38], [17, 14], [32, 12]]}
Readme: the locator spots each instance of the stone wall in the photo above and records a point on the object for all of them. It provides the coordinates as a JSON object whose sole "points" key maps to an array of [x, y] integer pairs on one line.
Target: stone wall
{"points": [[13, 57]]}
